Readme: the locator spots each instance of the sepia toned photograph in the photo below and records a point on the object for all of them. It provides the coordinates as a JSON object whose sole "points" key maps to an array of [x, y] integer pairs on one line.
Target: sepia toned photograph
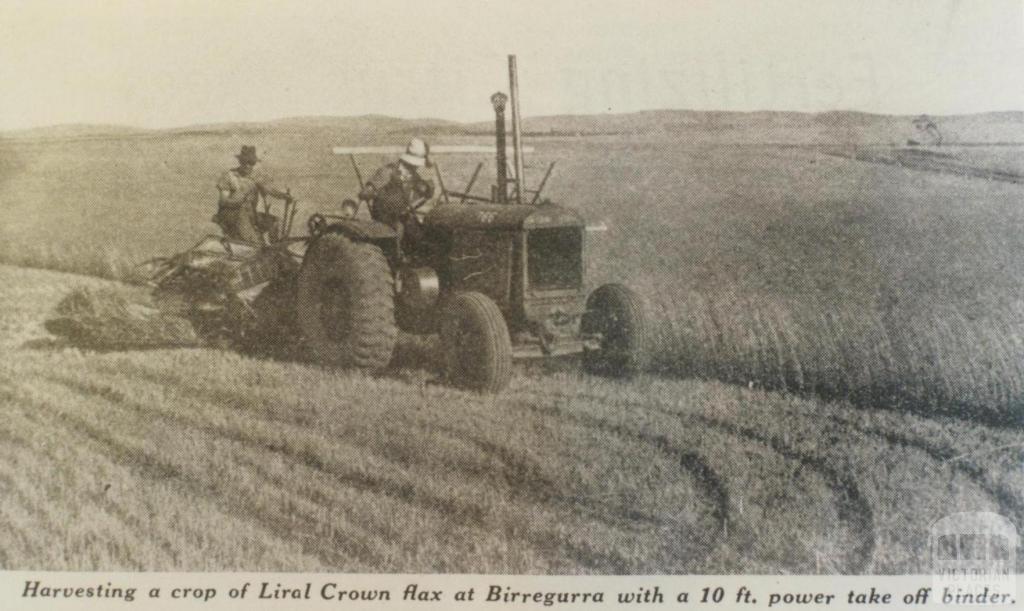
{"points": [[513, 288]]}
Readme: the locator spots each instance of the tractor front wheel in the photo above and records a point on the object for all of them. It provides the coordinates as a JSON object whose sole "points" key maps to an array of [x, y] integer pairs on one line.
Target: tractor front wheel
{"points": [[344, 304], [477, 350], [616, 314]]}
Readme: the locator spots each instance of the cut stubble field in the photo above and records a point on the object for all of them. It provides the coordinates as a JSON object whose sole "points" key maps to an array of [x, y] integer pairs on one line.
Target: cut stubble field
{"points": [[200, 459], [886, 302]]}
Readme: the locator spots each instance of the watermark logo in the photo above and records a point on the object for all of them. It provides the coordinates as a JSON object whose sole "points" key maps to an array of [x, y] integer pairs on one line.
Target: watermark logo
{"points": [[974, 559]]}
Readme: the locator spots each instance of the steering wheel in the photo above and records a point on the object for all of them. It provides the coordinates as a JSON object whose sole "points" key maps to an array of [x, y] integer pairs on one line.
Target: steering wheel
{"points": [[316, 223], [418, 203]]}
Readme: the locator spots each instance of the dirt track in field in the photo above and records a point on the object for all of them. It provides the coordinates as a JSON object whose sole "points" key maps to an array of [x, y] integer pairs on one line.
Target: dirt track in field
{"points": [[931, 159]]}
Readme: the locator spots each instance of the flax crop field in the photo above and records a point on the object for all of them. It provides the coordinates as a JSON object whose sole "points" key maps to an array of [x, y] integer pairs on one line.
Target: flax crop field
{"points": [[777, 265], [838, 364]]}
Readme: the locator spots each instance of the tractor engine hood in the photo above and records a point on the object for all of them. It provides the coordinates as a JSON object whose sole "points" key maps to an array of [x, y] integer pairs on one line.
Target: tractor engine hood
{"points": [[501, 216]]}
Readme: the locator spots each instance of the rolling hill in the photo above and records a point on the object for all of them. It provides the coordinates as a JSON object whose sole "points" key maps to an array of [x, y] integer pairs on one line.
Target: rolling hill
{"points": [[832, 127]]}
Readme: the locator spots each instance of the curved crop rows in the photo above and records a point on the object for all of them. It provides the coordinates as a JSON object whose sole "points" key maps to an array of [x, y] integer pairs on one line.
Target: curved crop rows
{"points": [[201, 459]]}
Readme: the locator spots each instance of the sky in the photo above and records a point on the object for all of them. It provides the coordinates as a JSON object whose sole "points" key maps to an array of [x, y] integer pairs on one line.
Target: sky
{"points": [[166, 63]]}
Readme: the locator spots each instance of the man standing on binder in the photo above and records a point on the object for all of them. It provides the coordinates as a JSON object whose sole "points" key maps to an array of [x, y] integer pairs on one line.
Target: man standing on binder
{"points": [[241, 190]]}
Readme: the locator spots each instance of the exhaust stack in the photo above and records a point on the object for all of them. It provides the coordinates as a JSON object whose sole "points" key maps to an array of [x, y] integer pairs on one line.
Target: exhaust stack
{"points": [[517, 149]]}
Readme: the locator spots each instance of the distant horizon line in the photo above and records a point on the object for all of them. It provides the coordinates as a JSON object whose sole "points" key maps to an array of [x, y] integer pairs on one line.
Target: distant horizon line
{"points": [[215, 123]]}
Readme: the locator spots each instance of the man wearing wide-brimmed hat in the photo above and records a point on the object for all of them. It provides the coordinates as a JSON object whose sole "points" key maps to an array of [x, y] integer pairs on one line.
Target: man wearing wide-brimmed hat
{"points": [[240, 190], [396, 186]]}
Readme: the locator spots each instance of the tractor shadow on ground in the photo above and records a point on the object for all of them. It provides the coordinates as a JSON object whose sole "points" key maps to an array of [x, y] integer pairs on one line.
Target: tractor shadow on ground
{"points": [[48, 344], [65, 338], [417, 359], [414, 356]]}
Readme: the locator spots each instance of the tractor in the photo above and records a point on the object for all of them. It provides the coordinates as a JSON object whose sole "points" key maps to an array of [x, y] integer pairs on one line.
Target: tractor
{"points": [[498, 278]]}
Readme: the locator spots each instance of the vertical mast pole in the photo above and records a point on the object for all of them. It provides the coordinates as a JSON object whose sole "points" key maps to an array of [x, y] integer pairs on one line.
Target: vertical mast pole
{"points": [[517, 150], [501, 188]]}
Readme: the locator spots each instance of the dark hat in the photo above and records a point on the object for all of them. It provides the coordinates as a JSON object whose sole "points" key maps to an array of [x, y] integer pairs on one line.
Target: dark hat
{"points": [[248, 155]]}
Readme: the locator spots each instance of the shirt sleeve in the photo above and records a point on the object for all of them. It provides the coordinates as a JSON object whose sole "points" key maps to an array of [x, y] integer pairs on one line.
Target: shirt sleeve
{"points": [[381, 177], [373, 185], [263, 180], [226, 182], [428, 186]]}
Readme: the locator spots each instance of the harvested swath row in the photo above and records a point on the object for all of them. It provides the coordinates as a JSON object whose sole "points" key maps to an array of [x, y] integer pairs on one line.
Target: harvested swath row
{"points": [[16, 536], [853, 508], [280, 404], [945, 453], [848, 421], [709, 481], [317, 486], [526, 477], [844, 424], [303, 516], [405, 493], [745, 534], [1002, 496], [1006, 498], [151, 467], [277, 442], [242, 402], [547, 529], [342, 548], [43, 526], [527, 482], [111, 535], [521, 474], [223, 497], [562, 515], [541, 540], [602, 512], [11, 464], [45, 453], [320, 490], [93, 490], [131, 546]]}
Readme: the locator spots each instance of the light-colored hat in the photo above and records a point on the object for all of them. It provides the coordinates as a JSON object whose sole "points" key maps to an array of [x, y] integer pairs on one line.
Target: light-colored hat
{"points": [[416, 153]]}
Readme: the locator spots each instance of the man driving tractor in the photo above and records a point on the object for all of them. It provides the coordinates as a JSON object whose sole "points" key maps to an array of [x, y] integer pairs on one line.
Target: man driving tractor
{"points": [[241, 190], [397, 187]]}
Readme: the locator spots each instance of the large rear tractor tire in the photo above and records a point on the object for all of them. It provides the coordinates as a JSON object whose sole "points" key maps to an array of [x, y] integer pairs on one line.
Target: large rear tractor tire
{"points": [[617, 314], [344, 304], [476, 348]]}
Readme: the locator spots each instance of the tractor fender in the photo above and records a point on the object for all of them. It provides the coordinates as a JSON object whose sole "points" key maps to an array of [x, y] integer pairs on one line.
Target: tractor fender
{"points": [[362, 231]]}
